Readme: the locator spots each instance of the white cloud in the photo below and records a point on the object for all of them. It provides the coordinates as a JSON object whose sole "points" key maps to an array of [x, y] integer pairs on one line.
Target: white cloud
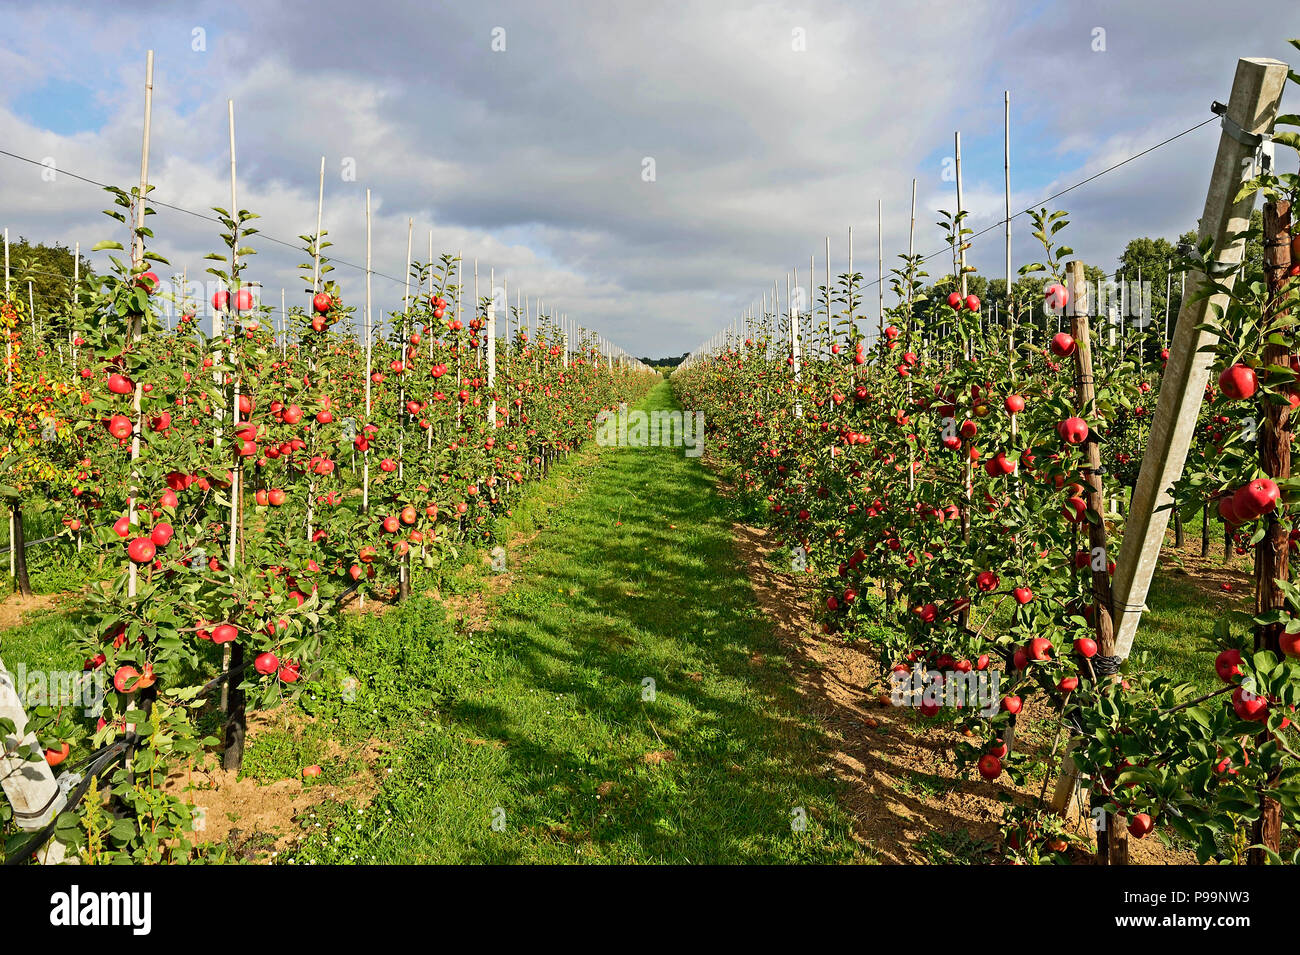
{"points": [[530, 160]]}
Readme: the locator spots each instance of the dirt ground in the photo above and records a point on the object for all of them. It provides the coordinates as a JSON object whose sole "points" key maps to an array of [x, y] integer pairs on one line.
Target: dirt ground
{"points": [[902, 790], [14, 607], [256, 820]]}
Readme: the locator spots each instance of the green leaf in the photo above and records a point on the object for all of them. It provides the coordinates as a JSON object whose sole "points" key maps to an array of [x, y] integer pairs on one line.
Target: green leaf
{"points": [[1288, 139], [123, 831]]}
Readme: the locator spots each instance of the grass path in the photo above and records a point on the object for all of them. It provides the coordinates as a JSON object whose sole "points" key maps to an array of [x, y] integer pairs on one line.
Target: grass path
{"points": [[548, 743]]}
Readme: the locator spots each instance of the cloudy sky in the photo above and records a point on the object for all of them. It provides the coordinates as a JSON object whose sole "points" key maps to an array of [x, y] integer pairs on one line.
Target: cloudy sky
{"points": [[520, 133]]}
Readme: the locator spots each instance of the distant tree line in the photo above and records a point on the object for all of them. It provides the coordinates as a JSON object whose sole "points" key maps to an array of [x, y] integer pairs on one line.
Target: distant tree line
{"points": [[49, 269], [664, 364]]}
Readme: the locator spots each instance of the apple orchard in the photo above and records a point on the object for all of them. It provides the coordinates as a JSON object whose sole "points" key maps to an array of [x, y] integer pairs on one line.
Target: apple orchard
{"points": [[949, 486], [955, 488], [250, 484]]}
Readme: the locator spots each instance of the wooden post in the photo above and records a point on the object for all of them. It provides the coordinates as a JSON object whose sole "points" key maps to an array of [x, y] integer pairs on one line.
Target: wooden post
{"points": [[234, 698], [320, 210], [829, 319], [1273, 440], [852, 285], [1103, 624], [1006, 182], [137, 259], [491, 342], [907, 332], [1252, 107], [369, 326], [794, 345], [880, 272], [961, 245]]}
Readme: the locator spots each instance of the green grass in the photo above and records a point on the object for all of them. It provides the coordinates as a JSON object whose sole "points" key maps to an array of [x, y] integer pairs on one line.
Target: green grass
{"points": [[1181, 612], [536, 730]]}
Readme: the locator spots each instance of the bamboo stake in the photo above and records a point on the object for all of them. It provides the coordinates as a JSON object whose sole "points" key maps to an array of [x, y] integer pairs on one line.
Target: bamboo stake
{"points": [[794, 341], [492, 349], [1006, 182], [880, 271], [369, 327], [137, 260], [320, 211], [232, 698], [961, 244], [1272, 553]]}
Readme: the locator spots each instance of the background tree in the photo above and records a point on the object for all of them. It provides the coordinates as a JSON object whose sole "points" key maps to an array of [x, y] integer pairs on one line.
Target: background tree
{"points": [[49, 268]]}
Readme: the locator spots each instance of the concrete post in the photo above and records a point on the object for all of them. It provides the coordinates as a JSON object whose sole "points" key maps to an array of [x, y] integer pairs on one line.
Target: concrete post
{"points": [[1252, 107]]}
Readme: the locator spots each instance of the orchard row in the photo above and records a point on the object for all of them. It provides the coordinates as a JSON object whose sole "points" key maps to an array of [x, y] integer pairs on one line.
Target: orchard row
{"points": [[957, 504], [238, 489]]}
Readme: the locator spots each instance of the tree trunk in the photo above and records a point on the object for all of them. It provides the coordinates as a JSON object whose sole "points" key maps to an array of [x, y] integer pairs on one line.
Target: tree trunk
{"points": [[1179, 540], [236, 716], [1205, 531], [19, 552], [1274, 443]]}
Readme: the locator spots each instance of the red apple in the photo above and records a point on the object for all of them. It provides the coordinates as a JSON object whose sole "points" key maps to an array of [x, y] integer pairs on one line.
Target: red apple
{"points": [[1255, 499], [1238, 381], [141, 550], [1248, 706], [119, 426], [1140, 825], [1062, 345], [1073, 430]]}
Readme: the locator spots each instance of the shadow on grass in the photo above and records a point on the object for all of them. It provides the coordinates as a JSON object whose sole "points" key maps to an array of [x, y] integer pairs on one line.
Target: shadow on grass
{"points": [[634, 704]]}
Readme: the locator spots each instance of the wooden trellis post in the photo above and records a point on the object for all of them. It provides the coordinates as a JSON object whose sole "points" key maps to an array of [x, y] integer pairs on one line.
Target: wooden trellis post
{"points": [[1251, 111], [491, 341], [794, 346], [1273, 441]]}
